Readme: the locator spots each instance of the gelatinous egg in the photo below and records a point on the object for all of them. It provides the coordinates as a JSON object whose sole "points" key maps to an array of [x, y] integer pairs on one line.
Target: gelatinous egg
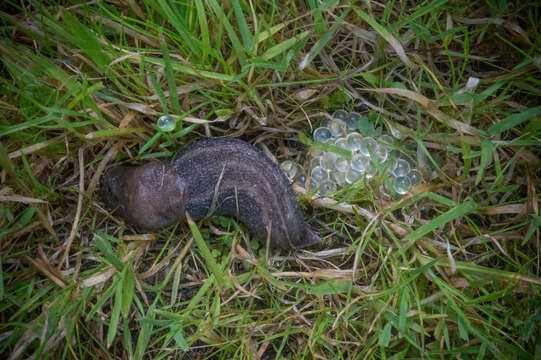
{"points": [[415, 177], [319, 174], [328, 159], [381, 153], [401, 168], [326, 187], [386, 140], [339, 178], [336, 127], [166, 123], [322, 134], [341, 142], [359, 163], [354, 141], [314, 184], [352, 175], [351, 120], [402, 184], [368, 143], [341, 164], [370, 171], [301, 180], [316, 161], [290, 169], [340, 115]]}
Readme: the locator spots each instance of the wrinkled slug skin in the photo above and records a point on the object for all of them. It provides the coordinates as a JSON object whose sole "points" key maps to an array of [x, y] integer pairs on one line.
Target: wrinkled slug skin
{"points": [[211, 177]]}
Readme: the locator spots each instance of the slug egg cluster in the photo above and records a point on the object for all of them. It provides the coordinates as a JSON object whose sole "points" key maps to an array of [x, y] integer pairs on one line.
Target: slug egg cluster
{"points": [[370, 156]]}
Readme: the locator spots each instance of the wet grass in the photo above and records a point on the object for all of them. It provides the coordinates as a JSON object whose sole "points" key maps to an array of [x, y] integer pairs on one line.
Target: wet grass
{"points": [[451, 270]]}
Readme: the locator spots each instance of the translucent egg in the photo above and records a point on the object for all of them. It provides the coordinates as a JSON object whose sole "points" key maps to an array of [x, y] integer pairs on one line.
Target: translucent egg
{"points": [[354, 141], [326, 187], [340, 115], [359, 163], [339, 178], [341, 142], [352, 175], [316, 161], [351, 120], [290, 169], [341, 164], [328, 159], [368, 143], [314, 184], [401, 168], [390, 164], [322, 134], [415, 177], [336, 127], [402, 183], [301, 180], [370, 171], [319, 174], [316, 152], [166, 123], [381, 153], [386, 140]]}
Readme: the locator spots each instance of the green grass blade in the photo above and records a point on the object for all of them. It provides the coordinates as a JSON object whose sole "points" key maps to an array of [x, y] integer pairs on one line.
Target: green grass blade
{"points": [[86, 41], [115, 314], [487, 147], [514, 120], [194, 71], [385, 34], [171, 82], [203, 25], [404, 307], [237, 46], [420, 11], [325, 147], [113, 132], [458, 211], [103, 245], [160, 93], [243, 26], [322, 42], [128, 290], [145, 333], [174, 15], [206, 253], [284, 45], [103, 298]]}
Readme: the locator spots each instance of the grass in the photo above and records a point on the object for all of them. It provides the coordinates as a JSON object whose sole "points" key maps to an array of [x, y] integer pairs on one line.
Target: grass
{"points": [[451, 270]]}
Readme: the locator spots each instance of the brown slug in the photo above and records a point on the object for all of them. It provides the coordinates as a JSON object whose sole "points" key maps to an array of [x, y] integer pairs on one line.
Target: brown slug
{"points": [[211, 177]]}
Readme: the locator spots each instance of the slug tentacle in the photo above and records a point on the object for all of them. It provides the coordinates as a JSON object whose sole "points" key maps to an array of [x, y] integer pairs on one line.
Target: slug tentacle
{"points": [[212, 177]]}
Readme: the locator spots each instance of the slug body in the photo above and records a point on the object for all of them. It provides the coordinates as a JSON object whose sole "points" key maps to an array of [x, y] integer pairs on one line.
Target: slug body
{"points": [[211, 177]]}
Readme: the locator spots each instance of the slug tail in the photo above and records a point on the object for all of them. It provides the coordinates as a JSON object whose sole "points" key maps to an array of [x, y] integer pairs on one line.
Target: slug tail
{"points": [[310, 237]]}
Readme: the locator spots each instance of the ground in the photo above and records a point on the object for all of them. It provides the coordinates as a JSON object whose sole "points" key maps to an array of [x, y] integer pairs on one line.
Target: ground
{"points": [[450, 270]]}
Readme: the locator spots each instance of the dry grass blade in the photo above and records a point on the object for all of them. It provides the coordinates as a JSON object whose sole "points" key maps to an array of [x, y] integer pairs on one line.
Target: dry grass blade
{"points": [[21, 199], [430, 107], [36, 147], [77, 217]]}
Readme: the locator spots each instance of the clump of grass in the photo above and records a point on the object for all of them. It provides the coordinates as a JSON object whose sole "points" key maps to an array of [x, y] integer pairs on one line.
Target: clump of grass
{"points": [[450, 270]]}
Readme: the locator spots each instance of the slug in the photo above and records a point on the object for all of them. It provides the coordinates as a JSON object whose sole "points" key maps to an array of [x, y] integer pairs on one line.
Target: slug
{"points": [[226, 177]]}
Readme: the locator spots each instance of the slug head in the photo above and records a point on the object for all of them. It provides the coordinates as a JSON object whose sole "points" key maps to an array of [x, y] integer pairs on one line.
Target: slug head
{"points": [[150, 196], [112, 187]]}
